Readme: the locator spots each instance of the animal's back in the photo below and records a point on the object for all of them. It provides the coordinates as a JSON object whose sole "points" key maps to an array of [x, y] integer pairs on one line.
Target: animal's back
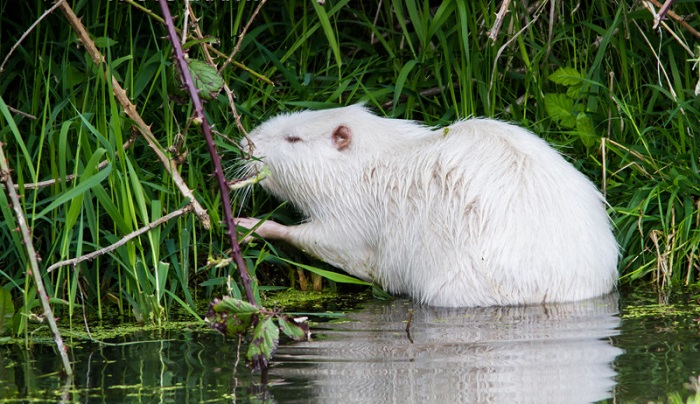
{"points": [[486, 213]]}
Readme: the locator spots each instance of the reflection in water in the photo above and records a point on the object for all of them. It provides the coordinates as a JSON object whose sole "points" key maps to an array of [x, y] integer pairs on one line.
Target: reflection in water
{"points": [[553, 353], [550, 353]]}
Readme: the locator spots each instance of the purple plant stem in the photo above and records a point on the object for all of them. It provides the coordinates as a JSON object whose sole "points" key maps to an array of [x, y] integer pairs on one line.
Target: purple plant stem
{"points": [[216, 160]]}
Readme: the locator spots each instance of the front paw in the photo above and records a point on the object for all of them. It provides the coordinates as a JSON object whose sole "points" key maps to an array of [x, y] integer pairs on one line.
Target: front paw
{"points": [[264, 228], [248, 223]]}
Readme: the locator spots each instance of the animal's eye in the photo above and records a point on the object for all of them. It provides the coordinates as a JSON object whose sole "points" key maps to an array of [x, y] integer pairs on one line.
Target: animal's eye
{"points": [[292, 139]]}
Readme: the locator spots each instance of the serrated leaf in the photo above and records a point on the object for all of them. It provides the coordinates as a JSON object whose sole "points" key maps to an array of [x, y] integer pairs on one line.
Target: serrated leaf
{"points": [[234, 306], [584, 129], [573, 92], [207, 79], [264, 344], [231, 317], [559, 107], [567, 76], [295, 328]]}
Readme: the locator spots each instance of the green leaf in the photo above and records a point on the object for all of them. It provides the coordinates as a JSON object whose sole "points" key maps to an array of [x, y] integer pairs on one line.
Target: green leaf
{"points": [[104, 42], [28, 160], [207, 79], [328, 30], [233, 306], [75, 207], [334, 276], [231, 317], [401, 80], [264, 344], [559, 107], [7, 311], [584, 128], [295, 328], [78, 190], [184, 305], [567, 76]]}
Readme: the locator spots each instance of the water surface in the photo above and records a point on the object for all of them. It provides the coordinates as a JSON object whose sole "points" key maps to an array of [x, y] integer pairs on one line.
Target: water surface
{"points": [[635, 350]]}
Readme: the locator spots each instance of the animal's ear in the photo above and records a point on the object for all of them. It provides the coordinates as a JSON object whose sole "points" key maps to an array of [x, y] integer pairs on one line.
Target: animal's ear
{"points": [[342, 137]]}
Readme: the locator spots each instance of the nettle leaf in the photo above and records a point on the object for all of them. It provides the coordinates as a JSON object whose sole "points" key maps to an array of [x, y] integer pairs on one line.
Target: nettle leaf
{"points": [[266, 336], [295, 328], [584, 128], [559, 107], [233, 306], [207, 79], [231, 317], [573, 92], [567, 76]]}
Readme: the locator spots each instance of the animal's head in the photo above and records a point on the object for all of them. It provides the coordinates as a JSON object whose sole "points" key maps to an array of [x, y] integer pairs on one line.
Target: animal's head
{"points": [[308, 152]]}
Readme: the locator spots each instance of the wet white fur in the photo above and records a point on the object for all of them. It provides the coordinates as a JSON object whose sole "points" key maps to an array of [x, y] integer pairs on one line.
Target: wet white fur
{"points": [[480, 213]]}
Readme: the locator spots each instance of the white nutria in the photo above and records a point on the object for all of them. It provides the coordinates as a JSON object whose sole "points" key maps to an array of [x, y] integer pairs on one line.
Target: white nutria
{"points": [[479, 213]]}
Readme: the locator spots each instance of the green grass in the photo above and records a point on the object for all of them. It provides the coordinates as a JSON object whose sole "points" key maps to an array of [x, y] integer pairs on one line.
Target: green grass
{"points": [[625, 114]]}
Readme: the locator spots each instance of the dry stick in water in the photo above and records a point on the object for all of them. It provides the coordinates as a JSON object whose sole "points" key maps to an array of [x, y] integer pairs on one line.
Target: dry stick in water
{"points": [[33, 261], [216, 160], [130, 110]]}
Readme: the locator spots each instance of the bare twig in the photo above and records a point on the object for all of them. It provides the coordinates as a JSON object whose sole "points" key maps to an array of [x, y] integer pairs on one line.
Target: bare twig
{"points": [[660, 67], [242, 35], [493, 34], [505, 45], [229, 94], [185, 23], [33, 261], [150, 13], [130, 110], [216, 160], [30, 29], [658, 17], [122, 241], [69, 177], [206, 47], [676, 17], [18, 112], [550, 34]]}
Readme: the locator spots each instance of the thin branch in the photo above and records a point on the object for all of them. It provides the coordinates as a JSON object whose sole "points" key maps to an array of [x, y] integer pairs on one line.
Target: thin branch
{"points": [[678, 19], [229, 94], [30, 29], [658, 17], [150, 13], [505, 45], [493, 34], [24, 114], [242, 35], [33, 261], [69, 177], [123, 240], [185, 23], [216, 160], [206, 46], [130, 109]]}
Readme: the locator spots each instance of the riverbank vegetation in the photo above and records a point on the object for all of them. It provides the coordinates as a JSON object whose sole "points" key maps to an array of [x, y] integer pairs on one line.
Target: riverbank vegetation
{"points": [[617, 95]]}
